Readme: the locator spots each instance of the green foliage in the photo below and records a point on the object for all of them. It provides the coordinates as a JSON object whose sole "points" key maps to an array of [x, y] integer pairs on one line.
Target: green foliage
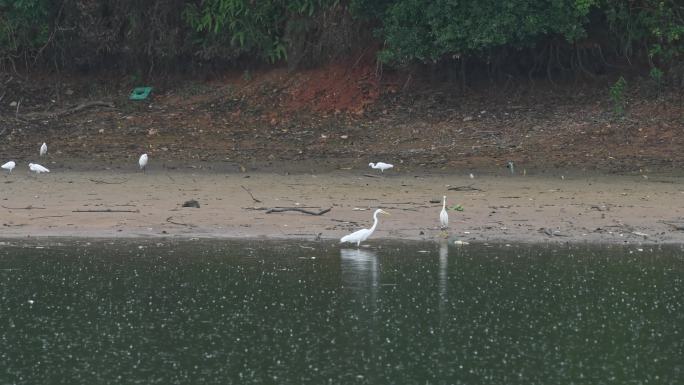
{"points": [[24, 27], [245, 27], [143, 35], [426, 30], [456, 208], [656, 24], [617, 95]]}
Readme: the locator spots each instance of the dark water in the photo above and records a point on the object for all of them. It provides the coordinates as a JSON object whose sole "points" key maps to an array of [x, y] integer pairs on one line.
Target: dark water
{"points": [[198, 312]]}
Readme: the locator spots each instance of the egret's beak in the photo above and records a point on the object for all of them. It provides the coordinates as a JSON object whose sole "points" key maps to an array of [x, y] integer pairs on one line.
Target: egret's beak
{"points": [[384, 212]]}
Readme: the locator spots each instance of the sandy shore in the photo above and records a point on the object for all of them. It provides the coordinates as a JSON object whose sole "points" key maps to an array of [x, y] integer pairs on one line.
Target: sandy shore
{"points": [[609, 209]]}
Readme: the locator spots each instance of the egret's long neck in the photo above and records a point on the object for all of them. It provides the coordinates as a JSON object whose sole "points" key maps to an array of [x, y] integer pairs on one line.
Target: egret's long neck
{"points": [[375, 222], [444, 204]]}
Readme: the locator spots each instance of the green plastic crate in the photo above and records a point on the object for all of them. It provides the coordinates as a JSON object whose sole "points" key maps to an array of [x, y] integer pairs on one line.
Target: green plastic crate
{"points": [[140, 93]]}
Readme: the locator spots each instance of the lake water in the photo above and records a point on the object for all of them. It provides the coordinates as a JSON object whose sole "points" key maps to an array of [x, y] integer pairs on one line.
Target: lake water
{"points": [[222, 312]]}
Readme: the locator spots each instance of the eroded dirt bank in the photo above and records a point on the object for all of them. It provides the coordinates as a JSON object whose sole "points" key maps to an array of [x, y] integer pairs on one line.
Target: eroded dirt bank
{"points": [[497, 207]]}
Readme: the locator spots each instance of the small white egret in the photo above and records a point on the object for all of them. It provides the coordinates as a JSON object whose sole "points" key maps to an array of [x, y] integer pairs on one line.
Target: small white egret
{"points": [[511, 167], [35, 167], [43, 149], [9, 166], [143, 162], [363, 234], [381, 166], [443, 216]]}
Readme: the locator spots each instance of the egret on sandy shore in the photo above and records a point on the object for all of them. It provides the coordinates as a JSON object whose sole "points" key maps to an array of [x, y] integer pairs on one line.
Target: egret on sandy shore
{"points": [[363, 234], [511, 167], [43, 149], [443, 216], [143, 162], [381, 166], [35, 167], [9, 166]]}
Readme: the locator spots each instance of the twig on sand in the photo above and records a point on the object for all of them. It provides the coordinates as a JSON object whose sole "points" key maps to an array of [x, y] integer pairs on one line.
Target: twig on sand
{"points": [[29, 207], [402, 208], [67, 111], [464, 188], [169, 219], [371, 175], [345, 222], [283, 209], [105, 211], [676, 226], [280, 210], [48, 216], [250, 194], [98, 181]]}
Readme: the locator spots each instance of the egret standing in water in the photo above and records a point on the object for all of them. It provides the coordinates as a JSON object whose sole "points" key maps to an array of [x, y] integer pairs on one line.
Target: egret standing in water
{"points": [[381, 166], [444, 217], [9, 166], [143, 162], [43, 149], [38, 169], [363, 234]]}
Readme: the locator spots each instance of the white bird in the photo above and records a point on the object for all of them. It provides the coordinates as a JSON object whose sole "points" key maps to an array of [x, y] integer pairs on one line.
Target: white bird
{"points": [[363, 234], [43, 149], [443, 216], [143, 162], [37, 168], [9, 166], [381, 166]]}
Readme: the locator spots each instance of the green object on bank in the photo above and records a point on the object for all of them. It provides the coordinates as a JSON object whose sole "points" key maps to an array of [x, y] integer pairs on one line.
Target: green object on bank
{"points": [[140, 93]]}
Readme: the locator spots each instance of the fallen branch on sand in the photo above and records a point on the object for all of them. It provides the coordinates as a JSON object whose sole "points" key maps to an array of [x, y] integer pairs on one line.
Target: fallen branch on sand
{"points": [[70, 110], [283, 209], [464, 188], [676, 226], [48, 216], [280, 210], [178, 223], [250, 194], [105, 211], [29, 207], [98, 181]]}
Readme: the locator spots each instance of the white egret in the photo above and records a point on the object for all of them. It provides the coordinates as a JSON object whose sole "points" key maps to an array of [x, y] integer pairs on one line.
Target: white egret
{"points": [[9, 166], [35, 167], [381, 166], [43, 149], [443, 216], [511, 167], [143, 162], [363, 234]]}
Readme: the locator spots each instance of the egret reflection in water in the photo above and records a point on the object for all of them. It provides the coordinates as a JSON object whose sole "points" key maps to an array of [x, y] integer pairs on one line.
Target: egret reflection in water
{"points": [[443, 263], [359, 268]]}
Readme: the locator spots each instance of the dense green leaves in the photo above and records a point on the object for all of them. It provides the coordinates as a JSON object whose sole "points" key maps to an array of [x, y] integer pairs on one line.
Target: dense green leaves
{"points": [[246, 27], [24, 27], [410, 31]]}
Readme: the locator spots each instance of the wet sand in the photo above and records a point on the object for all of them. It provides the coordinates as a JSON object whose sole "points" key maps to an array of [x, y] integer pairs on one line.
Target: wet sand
{"points": [[497, 208]]}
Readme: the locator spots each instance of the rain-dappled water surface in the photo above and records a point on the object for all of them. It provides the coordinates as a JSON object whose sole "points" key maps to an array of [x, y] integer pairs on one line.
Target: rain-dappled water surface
{"points": [[210, 312]]}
